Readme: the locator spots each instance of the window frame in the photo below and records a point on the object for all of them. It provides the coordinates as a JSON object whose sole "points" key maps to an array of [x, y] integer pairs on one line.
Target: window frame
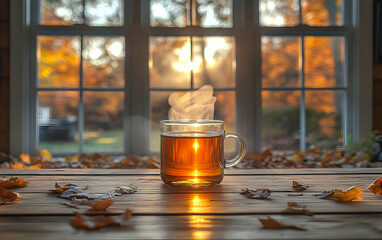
{"points": [[357, 30]]}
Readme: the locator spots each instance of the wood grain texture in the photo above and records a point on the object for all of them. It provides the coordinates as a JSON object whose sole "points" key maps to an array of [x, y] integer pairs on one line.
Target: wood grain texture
{"points": [[221, 212]]}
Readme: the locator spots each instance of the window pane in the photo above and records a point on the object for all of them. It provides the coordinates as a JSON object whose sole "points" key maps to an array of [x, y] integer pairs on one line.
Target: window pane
{"points": [[214, 61], [159, 107], [168, 13], [324, 118], [322, 12], [213, 13], [57, 121], [103, 128], [58, 61], [103, 59], [281, 119], [280, 65], [170, 62], [278, 12], [104, 13], [324, 61], [64, 12]]}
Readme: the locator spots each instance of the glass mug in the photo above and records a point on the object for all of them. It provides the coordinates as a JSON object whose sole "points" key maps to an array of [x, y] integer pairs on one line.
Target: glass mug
{"points": [[192, 152]]}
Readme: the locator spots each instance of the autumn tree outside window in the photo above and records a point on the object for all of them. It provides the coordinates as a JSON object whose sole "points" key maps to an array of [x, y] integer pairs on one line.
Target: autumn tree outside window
{"points": [[101, 71]]}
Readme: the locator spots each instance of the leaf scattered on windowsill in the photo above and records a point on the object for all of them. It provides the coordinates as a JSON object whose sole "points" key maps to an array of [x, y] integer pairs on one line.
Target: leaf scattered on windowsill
{"points": [[295, 208], [256, 194], [7, 196], [125, 190], [299, 187], [70, 191], [352, 194], [100, 205], [376, 186], [270, 223], [13, 182], [96, 222]]}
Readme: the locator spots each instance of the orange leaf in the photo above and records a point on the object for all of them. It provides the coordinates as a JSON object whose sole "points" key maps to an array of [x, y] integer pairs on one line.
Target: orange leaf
{"points": [[270, 223], [95, 205], [96, 222], [13, 182], [376, 186], [351, 194], [45, 154], [8, 196], [25, 158]]}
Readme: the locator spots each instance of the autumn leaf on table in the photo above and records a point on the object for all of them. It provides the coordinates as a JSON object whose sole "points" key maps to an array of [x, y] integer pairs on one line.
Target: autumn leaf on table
{"points": [[295, 208], [7, 196], [352, 194], [100, 205], [13, 182], [299, 187], [256, 194], [70, 191], [100, 221], [270, 223], [376, 186], [126, 190]]}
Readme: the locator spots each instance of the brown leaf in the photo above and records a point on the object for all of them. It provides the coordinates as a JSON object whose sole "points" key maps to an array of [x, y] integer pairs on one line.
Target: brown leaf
{"points": [[96, 222], [295, 208], [8, 196], [270, 223], [13, 182], [299, 187], [95, 205], [376, 186], [126, 190], [256, 194]]}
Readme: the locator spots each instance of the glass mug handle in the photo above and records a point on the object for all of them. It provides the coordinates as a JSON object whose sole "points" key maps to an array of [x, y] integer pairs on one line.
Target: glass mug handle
{"points": [[240, 155]]}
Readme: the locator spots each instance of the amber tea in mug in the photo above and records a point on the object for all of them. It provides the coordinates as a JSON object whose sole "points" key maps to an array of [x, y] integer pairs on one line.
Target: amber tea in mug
{"points": [[192, 152]]}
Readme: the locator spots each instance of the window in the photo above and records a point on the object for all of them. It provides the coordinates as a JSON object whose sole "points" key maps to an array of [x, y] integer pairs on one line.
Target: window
{"points": [[101, 72]]}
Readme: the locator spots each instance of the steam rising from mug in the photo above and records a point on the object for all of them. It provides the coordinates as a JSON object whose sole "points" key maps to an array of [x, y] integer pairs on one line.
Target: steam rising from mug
{"points": [[197, 104]]}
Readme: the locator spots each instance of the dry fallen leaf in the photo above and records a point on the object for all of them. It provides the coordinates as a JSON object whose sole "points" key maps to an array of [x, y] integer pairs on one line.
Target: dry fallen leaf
{"points": [[25, 158], [376, 186], [126, 190], [44, 154], [324, 194], [256, 194], [299, 187], [96, 222], [7, 196], [70, 191], [13, 182], [95, 205], [353, 193], [295, 208], [270, 223]]}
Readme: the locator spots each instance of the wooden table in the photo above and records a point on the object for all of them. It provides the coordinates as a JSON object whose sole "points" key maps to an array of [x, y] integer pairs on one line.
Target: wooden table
{"points": [[212, 213]]}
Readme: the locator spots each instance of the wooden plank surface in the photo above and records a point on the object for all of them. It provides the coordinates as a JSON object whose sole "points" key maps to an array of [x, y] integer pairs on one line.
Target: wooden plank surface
{"points": [[219, 212]]}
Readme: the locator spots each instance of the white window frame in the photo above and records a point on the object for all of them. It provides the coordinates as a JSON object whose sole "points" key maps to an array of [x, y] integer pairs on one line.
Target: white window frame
{"points": [[358, 70]]}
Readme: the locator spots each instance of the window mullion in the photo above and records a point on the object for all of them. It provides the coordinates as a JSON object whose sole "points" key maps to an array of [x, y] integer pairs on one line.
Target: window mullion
{"points": [[302, 99], [81, 103]]}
